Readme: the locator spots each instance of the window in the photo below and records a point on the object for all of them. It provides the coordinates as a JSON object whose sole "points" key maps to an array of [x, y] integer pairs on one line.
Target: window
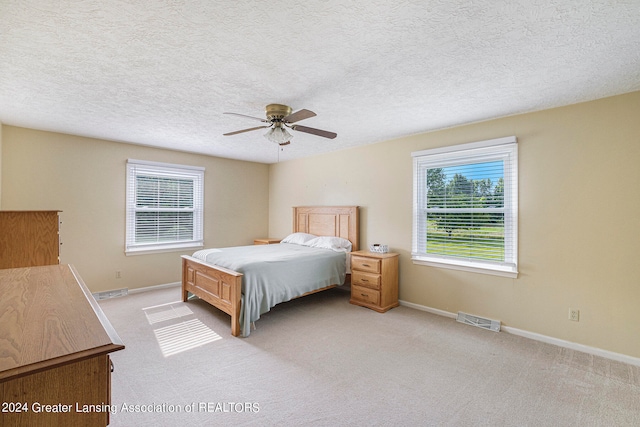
{"points": [[164, 207], [465, 207]]}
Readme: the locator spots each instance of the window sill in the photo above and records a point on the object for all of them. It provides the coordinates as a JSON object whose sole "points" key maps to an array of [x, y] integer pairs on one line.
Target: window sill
{"points": [[155, 249], [473, 267]]}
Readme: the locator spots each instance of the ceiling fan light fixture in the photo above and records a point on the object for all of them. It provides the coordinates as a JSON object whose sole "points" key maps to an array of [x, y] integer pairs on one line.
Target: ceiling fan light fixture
{"points": [[279, 135]]}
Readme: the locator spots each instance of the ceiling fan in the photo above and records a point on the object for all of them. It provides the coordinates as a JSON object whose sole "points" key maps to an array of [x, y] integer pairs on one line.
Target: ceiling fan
{"points": [[280, 117]]}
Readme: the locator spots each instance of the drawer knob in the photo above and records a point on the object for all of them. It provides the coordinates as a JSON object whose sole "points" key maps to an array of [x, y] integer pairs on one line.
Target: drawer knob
{"points": [[366, 265], [364, 295]]}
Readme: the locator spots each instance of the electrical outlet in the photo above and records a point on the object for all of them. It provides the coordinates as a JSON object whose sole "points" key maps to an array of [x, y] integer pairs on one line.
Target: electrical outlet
{"points": [[574, 314], [118, 274]]}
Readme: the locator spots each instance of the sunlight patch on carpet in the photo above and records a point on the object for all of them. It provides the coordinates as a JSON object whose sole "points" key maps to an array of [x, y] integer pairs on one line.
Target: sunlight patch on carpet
{"points": [[168, 311], [183, 336]]}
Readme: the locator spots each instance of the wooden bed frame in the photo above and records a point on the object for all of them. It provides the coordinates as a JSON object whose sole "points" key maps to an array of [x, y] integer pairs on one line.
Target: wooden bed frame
{"points": [[222, 287]]}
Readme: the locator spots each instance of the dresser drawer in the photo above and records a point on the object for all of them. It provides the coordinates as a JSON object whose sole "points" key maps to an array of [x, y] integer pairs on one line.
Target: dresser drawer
{"points": [[365, 264], [365, 295], [369, 280]]}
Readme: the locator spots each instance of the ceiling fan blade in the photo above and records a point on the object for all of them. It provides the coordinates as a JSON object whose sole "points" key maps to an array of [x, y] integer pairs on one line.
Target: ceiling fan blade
{"points": [[314, 131], [245, 130], [248, 117], [298, 115]]}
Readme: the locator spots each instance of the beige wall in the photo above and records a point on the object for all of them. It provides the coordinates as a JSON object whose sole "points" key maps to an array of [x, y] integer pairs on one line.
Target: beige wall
{"points": [[579, 233], [0, 165], [85, 178]]}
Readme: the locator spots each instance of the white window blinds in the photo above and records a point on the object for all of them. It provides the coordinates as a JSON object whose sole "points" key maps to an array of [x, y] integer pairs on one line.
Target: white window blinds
{"points": [[465, 206], [164, 206]]}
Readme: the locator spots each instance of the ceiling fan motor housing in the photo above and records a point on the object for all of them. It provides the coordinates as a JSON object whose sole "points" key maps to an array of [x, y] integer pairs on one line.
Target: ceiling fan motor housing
{"points": [[277, 111]]}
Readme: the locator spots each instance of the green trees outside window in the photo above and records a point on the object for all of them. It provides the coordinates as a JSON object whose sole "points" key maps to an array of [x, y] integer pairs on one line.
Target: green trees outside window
{"points": [[465, 211]]}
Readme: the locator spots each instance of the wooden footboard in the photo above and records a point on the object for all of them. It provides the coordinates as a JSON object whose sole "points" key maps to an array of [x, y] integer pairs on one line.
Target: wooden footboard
{"points": [[218, 286]]}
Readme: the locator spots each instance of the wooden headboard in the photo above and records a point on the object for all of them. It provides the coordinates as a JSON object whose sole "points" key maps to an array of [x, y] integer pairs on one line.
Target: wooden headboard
{"points": [[341, 221]]}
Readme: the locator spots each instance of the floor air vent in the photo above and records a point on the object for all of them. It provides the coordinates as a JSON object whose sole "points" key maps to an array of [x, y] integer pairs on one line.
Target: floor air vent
{"points": [[111, 294], [480, 322]]}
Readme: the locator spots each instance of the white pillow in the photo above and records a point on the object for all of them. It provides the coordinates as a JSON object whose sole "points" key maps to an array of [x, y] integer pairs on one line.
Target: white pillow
{"points": [[330, 242], [298, 238]]}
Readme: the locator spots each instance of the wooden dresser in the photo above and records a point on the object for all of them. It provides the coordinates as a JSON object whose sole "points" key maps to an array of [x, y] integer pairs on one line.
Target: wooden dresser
{"points": [[29, 238], [374, 280], [54, 350]]}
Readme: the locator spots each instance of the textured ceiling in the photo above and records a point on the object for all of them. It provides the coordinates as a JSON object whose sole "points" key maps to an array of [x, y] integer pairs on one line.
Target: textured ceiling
{"points": [[161, 73]]}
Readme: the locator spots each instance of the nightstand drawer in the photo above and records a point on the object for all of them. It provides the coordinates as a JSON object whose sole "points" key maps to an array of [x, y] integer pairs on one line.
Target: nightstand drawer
{"points": [[369, 280], [365, 264], [365, 295]]}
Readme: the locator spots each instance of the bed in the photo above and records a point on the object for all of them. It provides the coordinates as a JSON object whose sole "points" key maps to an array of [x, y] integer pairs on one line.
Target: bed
{"points": [[219, 275]]}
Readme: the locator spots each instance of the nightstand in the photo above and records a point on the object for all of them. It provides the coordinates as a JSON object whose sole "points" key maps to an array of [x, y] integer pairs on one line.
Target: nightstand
{"points": [[374, 280], [266, 241]]}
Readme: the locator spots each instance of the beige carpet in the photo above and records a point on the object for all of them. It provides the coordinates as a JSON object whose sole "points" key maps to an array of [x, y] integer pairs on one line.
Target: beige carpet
{"points": [[322, 361]]}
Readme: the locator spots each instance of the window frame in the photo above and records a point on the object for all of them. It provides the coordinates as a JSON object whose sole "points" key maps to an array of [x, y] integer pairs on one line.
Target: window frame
{"points": [[136, 168], [505, 149]]}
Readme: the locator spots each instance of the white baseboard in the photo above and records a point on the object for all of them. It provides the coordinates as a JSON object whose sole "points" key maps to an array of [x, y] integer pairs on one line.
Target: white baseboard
{"points": [[539, 337], [154, 287], [428, 309]]}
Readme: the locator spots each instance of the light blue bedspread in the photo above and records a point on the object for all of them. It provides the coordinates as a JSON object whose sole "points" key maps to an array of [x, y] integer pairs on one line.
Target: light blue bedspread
{"points": [[276, 273]]}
